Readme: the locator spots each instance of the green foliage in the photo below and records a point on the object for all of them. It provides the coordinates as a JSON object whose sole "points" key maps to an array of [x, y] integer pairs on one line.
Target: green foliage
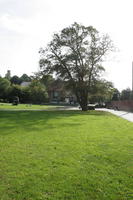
{"points": [[47, 80], [34, 93], [16, 90], [4, 88], [10, 88], [8, 75], [15, 80], [65, 155], [126, 94], [37, 92], [25, 78], [101, 91], [25, 95], [75, 55], [116, 95]]}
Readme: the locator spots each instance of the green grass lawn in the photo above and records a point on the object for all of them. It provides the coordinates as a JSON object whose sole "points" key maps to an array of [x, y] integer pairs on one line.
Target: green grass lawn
{"points": [[5, 106], [65, 155]]}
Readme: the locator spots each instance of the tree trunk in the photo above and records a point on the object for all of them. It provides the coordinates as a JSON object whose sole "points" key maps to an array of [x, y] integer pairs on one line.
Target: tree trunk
{"points": [[82, 98], [84, 104]]}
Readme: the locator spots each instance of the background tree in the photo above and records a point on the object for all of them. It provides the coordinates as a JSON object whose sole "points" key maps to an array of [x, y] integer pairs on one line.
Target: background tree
{"points": [[4, 88], [15, 80], [116, 95], [47, 80], [25, 95], [38, 93], [101, 92], [25, 78], [126, 94], [35, 92], [8, 75], [15, 91], [75, 55]]}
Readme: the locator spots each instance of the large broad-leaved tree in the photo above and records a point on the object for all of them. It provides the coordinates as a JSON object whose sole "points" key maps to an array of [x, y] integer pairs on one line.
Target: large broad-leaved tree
{"points": [[75, 54]]}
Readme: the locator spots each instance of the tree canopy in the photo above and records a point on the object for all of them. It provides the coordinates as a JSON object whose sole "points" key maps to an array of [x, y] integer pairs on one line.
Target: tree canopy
{"points": [[4, 87], [75, 54], [25, 78], [15, 80]]}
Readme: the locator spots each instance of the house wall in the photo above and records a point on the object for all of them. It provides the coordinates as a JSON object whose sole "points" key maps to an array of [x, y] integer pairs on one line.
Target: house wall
{"points": [[24, 84]]}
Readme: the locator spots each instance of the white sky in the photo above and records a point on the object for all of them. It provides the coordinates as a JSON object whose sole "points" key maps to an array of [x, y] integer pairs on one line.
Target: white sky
{"points": [[27, 25]]}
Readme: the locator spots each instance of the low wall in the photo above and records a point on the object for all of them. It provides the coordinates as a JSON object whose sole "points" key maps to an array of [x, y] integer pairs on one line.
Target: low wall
{"points": [[126, 105]]}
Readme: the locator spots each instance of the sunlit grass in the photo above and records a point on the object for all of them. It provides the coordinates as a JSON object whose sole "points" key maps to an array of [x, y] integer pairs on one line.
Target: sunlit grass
{"points": [[5, 106], [61, 155]]}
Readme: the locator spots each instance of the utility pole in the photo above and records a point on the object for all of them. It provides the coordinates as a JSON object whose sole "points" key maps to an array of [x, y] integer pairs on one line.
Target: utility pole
{"points": [[132, 76]]}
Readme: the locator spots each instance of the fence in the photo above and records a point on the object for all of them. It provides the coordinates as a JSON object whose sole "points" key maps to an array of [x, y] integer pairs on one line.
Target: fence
{"points": [[126, 105]]}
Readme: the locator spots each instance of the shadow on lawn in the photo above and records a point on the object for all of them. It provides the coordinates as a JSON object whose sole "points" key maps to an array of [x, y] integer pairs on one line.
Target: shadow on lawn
{"points": [[12, 122]]}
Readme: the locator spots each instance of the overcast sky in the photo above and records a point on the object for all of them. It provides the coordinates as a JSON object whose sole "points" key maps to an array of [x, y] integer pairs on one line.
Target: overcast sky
{"points": [[27, 25]]}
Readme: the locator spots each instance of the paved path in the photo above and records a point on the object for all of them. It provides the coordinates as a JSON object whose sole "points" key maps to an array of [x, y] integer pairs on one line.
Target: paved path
{"points": [[126, 115]]}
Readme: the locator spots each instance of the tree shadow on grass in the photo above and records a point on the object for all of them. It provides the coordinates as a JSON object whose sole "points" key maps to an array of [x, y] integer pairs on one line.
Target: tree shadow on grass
{"points": [[13, 122]]}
